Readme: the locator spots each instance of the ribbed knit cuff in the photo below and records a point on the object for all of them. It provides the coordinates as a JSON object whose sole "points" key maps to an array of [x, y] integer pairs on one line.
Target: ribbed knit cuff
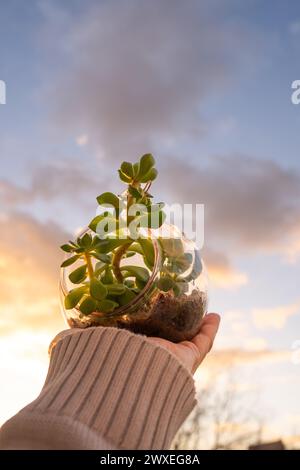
{"points": [[116, 385]]}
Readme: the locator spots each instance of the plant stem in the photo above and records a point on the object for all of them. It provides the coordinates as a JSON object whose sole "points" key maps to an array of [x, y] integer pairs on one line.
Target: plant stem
{"points": [[119, 253], [89, 265]]}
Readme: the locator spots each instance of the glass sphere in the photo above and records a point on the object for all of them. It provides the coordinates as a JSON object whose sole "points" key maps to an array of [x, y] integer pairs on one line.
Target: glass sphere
{"points": [[170, 305]]}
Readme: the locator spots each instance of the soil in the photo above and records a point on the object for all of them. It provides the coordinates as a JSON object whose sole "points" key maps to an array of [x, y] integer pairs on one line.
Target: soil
{"points": [[165, 316], [173, 318]]}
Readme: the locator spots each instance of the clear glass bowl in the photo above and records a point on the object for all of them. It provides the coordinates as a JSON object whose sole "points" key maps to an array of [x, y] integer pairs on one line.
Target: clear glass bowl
{"points": [[175, 314]]}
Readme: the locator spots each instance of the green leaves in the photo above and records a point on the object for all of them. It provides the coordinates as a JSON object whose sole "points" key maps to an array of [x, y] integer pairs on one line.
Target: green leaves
{"points": [[106, 259], [147, 162], [152, 220], [127, 297], [127, 169], [107, 305], [123, 177], [74, 296], [165, 283], [97, 289], [135, 193], [173, 247], [150, 176], [79, 275], [197, 267], [147, 251], [137, 271], [115, 289], [88, 306], [85, 241], [67, 248], [69, 261], [103, 224], [109, 199], [140, 172], [106, 282]]}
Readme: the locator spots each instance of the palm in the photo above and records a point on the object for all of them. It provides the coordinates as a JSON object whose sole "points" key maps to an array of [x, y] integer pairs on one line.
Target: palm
{"points": [[191, 353]]}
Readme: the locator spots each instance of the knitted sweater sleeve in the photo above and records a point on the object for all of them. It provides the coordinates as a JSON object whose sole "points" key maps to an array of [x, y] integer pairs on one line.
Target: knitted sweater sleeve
{"points": [[106, 389]]}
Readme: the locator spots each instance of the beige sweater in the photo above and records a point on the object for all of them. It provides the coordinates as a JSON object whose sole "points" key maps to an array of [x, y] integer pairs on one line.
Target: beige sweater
{"points": [[105, 389]]}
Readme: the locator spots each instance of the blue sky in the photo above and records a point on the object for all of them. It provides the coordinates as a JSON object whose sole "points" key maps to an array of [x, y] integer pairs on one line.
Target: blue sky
{"points": [[207, 86]]}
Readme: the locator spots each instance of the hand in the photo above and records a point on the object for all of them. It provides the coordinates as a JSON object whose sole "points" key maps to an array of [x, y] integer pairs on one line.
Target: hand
{"points": [[192, 353]]}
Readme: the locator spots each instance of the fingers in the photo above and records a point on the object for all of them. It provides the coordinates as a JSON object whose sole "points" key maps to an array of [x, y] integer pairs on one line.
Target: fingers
{"points": [[205, 338]]}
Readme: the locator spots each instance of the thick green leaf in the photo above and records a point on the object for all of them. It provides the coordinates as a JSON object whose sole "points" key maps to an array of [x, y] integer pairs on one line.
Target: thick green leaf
{"points": [[173, 247], [148, 250], [127, 169], [196, 268], [176, 289], [78, 275], [116, 289], [107, 305], [136, 169], [102, 257], [108, 199], [137, 271], [104, 224], [165, 283], [70, 261], [134, 192], [86, 241], [127, 297], [79, 250], [147, 162], [97, 289], [140, 284], [153, 220], [99, 268], [96, 241], [123, 177], [181, 264], [67, 248], [107, 277], [74, 296], [129, 283], [109, 245], [150, 176], [88, 305]]}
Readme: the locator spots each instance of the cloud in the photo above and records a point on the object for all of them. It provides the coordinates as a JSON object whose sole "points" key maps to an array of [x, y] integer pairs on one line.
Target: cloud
{"points": [[66, 180], [274, 317], [23, 368], [233, 357], [256, 343], [221, 272], [250, 204], [135, 73], [29, 271]]}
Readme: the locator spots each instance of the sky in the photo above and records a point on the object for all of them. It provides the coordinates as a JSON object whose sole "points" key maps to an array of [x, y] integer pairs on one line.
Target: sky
{"points": [[204, 86]]}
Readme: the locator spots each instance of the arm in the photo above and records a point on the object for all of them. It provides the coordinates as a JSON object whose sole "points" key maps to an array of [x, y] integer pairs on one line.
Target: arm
{"points": [[111, 389]]}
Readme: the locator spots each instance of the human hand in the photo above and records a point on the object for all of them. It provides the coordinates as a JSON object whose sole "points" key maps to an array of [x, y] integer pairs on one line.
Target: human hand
{"points": [[192, 353]]}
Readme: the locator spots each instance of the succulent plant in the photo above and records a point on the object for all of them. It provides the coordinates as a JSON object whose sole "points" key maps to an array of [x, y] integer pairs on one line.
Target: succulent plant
{"points": [[121, 230]]}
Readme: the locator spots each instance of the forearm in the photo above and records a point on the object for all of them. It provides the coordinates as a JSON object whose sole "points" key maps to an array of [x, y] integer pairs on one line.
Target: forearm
{"points": [[105, 389]]}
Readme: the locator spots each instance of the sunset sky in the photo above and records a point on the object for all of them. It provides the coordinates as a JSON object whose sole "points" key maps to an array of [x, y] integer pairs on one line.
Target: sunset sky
{"points": [[206, 87]]}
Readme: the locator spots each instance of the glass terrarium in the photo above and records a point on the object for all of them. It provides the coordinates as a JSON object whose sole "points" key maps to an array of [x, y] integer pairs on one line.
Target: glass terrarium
{"points": [[154, 283]]}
